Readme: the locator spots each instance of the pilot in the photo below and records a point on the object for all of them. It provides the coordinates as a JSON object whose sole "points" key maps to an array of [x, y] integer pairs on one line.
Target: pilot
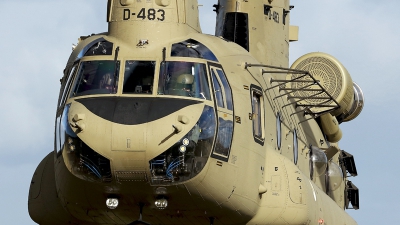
{"points": [[107, 82], [183, 85], [180, 79], [147, 82]]}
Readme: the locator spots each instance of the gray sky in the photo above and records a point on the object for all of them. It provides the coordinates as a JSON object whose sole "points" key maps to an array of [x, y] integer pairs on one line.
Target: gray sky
{"points": [[35, 43]]}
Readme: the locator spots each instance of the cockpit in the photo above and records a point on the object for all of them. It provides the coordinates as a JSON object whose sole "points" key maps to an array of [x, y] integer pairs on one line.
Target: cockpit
{"points": [[191, 73], [177, 78], [187, 79]]}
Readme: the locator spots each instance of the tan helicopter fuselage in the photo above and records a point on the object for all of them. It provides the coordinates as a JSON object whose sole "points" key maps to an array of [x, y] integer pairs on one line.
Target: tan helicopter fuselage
{"points": [[188, 121]]}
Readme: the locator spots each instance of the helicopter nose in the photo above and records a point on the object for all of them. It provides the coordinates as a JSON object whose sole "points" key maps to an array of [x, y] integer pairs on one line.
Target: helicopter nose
{"points": [[129, 131]]}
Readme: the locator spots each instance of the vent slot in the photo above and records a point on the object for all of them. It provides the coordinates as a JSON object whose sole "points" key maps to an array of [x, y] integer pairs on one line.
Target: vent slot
{"points": [[352, 196], [126, 176], [236, 29]]}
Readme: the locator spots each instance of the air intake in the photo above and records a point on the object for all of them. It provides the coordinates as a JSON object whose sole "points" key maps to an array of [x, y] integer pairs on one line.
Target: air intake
{"points": [[236, 28], [330, 74]]}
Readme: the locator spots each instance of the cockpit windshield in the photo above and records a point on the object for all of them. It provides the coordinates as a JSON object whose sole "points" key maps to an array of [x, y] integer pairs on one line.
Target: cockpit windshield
{"points": [[187, 79], [139, 76], [96, 77]]}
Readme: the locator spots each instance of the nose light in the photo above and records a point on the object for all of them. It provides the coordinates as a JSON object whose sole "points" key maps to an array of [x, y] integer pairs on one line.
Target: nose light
{"points": [[112, 203], [71, 144], [161, 203], [182, 149], [185, 142]]}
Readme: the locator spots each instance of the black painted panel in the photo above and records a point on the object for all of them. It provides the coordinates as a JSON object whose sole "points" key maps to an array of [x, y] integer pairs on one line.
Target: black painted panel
{"points": [[236, 28], [134, 111]]}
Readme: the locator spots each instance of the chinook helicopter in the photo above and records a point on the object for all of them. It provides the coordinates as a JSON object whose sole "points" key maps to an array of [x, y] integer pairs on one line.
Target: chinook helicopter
{"points": [[158, 123]]}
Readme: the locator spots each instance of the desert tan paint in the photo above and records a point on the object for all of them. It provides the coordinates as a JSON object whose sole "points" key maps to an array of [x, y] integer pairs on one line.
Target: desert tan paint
{"points": [[259, 184]]}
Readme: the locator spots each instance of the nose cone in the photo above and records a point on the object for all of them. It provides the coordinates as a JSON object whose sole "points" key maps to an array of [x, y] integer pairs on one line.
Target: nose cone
{"points": [[132, 131]]}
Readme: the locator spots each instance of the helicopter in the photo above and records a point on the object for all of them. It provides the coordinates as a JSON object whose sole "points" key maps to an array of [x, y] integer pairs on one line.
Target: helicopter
{"points": [[158, 123]]}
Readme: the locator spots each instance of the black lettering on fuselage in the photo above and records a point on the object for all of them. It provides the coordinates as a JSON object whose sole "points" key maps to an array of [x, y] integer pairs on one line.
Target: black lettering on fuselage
{"points": [[127, 14], [276, 17], [272, 15], [150, 14]]}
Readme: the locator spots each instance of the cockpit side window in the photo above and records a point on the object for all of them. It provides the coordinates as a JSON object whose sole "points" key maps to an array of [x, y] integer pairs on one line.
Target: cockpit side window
{"points": [[187, 79], [227, 89], [257, 102], [224, 108], [224, 137], [66, 84], [218, 90], [139, 77], [295, 147], [97, 47], [96, 77], [192, 48], [102, 47]]}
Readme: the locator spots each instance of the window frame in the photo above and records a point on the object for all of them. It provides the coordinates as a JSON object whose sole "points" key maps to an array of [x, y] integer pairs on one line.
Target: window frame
{"points": [[219, 97], [226, 87], [213, 67], [203, 52], [158, 79], [279, 131], [256, 90], [78, 79], [295, 147], [222, 113], [67, 83]]}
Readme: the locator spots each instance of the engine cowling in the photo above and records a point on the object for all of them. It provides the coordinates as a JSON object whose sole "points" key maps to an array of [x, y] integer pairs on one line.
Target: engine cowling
{"points": [[336, 80]]}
